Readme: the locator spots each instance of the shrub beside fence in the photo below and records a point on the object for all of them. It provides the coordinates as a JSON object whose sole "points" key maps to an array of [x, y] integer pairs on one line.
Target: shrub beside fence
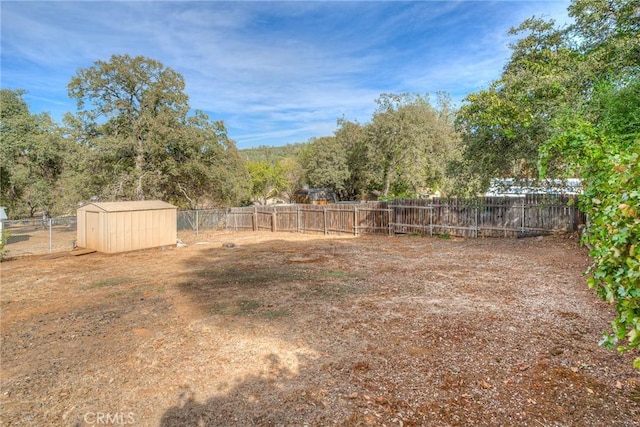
{"points": [[479, 217]]}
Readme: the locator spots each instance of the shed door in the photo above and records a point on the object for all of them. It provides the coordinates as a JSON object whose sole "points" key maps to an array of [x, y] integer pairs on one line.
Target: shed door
{"points": [[93, 230]]}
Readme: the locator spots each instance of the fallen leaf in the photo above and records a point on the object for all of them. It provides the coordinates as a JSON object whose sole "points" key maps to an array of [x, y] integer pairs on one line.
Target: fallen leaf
{"points": [[589, 390], [556, 351], [618, 385], [520, 415], [484, 384]]}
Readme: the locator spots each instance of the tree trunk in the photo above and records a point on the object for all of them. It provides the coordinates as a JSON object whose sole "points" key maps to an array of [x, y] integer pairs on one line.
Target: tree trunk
{"points": [[387, 184], [139, 189], [140, 169]]}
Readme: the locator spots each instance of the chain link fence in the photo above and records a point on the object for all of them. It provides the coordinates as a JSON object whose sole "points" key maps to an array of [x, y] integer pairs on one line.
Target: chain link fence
{"points": [[39, 236], [201, 221]]}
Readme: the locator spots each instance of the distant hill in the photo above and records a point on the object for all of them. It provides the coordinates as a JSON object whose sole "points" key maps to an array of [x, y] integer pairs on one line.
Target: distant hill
{"points": [[270, 154]]}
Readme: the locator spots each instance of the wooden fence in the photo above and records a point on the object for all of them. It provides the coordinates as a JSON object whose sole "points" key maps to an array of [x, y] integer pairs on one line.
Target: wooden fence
{"points": [[479, 217], [482, 217]]}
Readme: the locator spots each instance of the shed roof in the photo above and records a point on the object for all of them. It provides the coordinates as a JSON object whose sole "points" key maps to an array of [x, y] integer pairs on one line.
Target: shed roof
{"points": [[141, 205]]}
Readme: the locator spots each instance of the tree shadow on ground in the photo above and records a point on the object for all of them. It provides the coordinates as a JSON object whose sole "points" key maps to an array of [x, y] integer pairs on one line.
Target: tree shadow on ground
{"points": [[264, 279], [18, 238], [270, 399], [274, 288]]}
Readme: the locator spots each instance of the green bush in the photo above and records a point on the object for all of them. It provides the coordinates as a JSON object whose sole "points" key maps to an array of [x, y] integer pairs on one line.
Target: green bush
{"points": [[603, 144], [4, 238], [612, 201]]}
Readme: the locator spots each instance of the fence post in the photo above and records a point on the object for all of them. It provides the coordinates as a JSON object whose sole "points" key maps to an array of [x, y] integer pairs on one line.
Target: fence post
{"points": [[355, 221], [477, 215], [50, 235], [274, 216], [324, 216], [522, 222], [255, 218], [197, 224], [389, 211], [431, 217], [298, 218]]}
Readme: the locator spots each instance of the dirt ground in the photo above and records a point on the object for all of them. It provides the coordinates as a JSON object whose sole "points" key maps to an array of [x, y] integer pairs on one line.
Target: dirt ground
{"points": [[295, 329]]}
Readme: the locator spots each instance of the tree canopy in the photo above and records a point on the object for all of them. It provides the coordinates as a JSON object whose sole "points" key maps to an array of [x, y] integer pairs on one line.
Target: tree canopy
{"points": [[269, 154], [132, 116], [403, 151], [132, 137], [412, 143], [31, 157]]}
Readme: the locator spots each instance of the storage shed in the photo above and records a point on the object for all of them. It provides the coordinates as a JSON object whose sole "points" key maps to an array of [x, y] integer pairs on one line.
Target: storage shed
{"points": [[113, 227]]}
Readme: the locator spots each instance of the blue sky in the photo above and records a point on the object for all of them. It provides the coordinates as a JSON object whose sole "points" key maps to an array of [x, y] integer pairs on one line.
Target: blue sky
{"points": [[274, 72]]}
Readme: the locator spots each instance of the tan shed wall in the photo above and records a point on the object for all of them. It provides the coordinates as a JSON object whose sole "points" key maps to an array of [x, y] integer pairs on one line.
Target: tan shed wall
{"points": [[113, 232], [133, 230], [93, 229]]}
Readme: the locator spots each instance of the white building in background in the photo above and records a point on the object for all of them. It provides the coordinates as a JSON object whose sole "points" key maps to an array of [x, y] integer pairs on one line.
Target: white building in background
{"points": [[508, 187], [3, 218]]}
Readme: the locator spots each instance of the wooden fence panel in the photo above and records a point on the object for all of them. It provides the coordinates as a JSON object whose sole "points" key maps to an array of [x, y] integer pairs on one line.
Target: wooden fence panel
{"points": [[287, 218], [411, 219], [372, 220], [239, 219], [499, 217], [312, 218], [455, 217], [479, 217], [340, 218], [264, 218]]}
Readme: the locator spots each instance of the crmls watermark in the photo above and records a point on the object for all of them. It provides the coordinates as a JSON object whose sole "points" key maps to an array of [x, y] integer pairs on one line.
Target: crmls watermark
{"points": [[109, 418]]}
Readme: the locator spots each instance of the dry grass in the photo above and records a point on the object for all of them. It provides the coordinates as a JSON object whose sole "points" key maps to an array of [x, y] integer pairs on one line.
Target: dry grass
{"points": [[291, 329]]}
